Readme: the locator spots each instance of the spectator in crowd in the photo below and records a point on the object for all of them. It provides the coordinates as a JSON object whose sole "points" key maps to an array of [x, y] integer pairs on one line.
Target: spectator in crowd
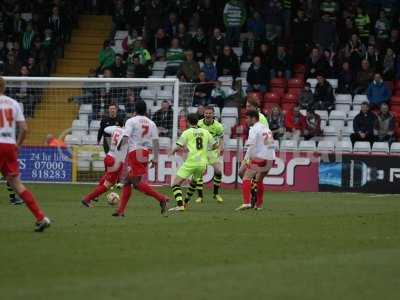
{"points": [[356, 51], [190, 68], [302, 36], [27, 40], [249, 47], [11, 67], [256, 25], [119, 68], [257, 76], [171, 29], [234, 18], [200, 111], [374, 58], [163, 119], [33, 67], [184, 37], [273, 22], [113, 119], [347, 30], [199, 45], [389, 62], [378, 92], [382, 28], [364, 76], [218, 95], [209, 69], [294, 123], [139, 70], [363, 125], [119, 16], [154, 17], [306, 98], [312, 125], [24, 94], [281, 64], [314, 63], [136, 16], [216, 43], [324, 98], [325, 32], [130, 102], [276, 122], [57, 24], [161, 40], [394, 41], [384, 125], [202, 91], [140, 51], [362, 22], [228, 63], [175, 57], [265, 53], [106, 56], [345, 79]]}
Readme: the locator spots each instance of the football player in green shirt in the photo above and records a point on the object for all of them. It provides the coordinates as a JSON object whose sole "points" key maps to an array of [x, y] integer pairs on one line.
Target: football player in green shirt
{"points": [[214, 157], [198, 142]]}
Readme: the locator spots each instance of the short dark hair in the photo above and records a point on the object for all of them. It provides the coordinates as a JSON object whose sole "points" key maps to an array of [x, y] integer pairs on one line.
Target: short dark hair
{"points": [[209, 108], [253, 114], [365, 103], [113, 104], [140, 108], [193, 119]]}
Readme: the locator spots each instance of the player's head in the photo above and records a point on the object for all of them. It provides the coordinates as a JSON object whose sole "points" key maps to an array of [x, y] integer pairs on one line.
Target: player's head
{"points": [[140, 108], [252, 104], [193, 119], [209, 113], [2, 85], [252, 117]]}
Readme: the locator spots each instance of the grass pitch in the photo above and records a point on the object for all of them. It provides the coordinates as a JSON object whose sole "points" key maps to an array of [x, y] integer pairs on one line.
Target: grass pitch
{"points": [[302, 246]]}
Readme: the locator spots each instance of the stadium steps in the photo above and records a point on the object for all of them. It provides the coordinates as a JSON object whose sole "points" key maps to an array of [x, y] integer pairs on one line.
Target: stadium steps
{"points": [[55, 113]]}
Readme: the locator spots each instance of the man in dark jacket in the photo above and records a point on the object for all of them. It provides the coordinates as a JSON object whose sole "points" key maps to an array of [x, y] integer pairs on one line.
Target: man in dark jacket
{"points": [[363, 125], [119, 68], [281, 64], [228, 63], [257, 76], [163, 119], [111, 120], [323, 95]]}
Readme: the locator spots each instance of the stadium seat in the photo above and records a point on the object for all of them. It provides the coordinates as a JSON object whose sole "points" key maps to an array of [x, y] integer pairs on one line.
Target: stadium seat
{"points": [[85, 109], [165, 142], [343, 102], [395, 100], [330, 131], [255, 95], [79, 127], [343, 146], [333, 82], [94, 125], [267, 107], [278, 90], [83, 165], [148, 94], [272, 98], [149, 103], [323, 114], [299, 68], [337, 118], [89, 140], [313, 82], [228, 123], [226, 80], [380, 148], [230, 112], [362, 147], [352, 114], [347, 130], [288, 145], [358, 99], [244, 67], [84, 117], [157, 74], [98, 166], [238, 51], [295, 83], [159, 65], [395, 149], [326, 146], [307, 146], [278, 82], [84, 155], [72, 140], [287, 106], [164, 95]]}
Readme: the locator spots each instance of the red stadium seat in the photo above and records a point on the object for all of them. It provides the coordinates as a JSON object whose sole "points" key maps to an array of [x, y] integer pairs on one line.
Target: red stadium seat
{"points": [[298, 75], [256, 95], [278, 83], [294, 91], [287, 106], [290, 98], [397, 85], [295, 83], [395, 109], [299, 68], [272, 98], [267, 108], [278, 90], [395, 100]]}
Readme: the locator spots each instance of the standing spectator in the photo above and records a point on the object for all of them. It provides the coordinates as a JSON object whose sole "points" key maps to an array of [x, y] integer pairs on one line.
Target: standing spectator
{"points": [[228, 63], [345, 79], [276, 122], [325, 32], [154, 17], [256, 25], [140, 70], [265, 53], [175, 57], [202, 91], [111, 120], [394, 41], [161, 40], [234, 18], [27, 41], [184, 37], [286, 14], [363, 125], [119, 68], [306, 99], [11, 67], [374, 58], [171, 29], [58, 27], [257, 76], [356, 51], [323, 95], [164, 119], [389, 62], [106, 56], [384, 125], [314, 63], [273, 20], [190, 68], [312, 126], [294, 123], [281, 64], [249, 47], [364, 76], [199, 45], [216, 43], [382, 28], [209, 69], [301, 35], [363, 24], [378, 92]]}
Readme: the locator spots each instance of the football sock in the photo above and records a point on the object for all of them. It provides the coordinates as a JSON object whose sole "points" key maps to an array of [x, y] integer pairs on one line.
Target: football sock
{"points": [[217, 183], [200, 187], [190, 191], [125, 195], [177, 191], [11, 193], [260, 194], [32, 205], [149, 191], [254, 189], [246, 190], [99, 190]]}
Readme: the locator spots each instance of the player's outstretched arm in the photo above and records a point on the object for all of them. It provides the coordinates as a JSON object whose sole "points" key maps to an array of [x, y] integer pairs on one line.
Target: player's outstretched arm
{"points": [[22, 132]]}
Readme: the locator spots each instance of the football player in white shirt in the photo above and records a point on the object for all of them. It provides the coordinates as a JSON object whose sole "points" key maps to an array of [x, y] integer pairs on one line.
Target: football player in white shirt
{"points": [[259, 157], [11, 119], [143, 137], [113, 163]]}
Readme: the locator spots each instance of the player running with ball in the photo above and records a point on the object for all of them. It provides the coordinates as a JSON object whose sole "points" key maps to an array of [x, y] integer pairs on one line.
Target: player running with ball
{"points": [[11, 119], [113, 162], [198, 142], [259, 157], [214, 157]]}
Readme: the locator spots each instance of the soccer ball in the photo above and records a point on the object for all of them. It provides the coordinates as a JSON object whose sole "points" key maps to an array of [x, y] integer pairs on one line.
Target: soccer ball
{"points": [[112, 198]]}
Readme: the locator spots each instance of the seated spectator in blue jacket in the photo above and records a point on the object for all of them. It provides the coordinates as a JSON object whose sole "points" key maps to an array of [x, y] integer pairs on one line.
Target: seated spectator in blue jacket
{"points": [[257, 76], [378, 92], [209, 69], [384, 125], [363, 125]]}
